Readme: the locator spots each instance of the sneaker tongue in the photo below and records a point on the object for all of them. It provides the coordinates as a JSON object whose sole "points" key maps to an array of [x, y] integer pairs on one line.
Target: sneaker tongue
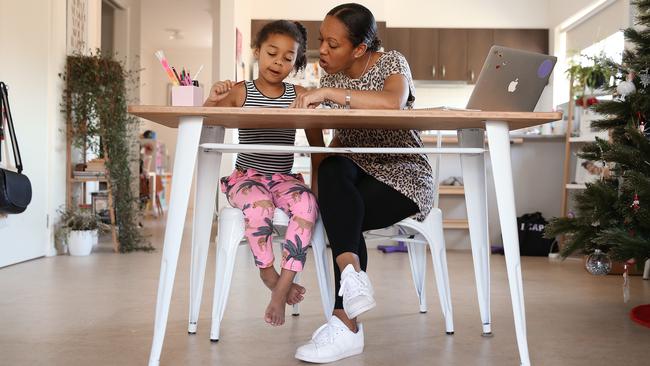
{"points": [[326, 334], [335, 321], [347, 270]]}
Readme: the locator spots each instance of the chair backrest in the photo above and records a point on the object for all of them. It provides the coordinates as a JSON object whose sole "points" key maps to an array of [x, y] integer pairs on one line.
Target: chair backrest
{"points": [[436, 172]]}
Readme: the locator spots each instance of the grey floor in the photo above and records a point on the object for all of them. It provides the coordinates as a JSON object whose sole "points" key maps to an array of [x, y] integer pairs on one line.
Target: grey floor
{"points": [[98, 310]]}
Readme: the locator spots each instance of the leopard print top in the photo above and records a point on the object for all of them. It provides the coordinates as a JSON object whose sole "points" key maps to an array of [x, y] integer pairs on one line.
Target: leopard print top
{"points": [[411, 174]]}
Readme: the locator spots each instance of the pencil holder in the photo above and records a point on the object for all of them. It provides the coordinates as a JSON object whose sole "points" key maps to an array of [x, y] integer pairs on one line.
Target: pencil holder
{"points": [[187, 96]]}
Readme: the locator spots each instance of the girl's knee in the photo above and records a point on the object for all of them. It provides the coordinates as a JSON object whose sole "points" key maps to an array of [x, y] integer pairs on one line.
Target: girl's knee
{"points": [[306, 207]]}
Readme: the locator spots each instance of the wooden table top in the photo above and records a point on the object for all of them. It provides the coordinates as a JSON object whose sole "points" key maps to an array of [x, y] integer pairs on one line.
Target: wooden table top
{"points": [[417, 119]]}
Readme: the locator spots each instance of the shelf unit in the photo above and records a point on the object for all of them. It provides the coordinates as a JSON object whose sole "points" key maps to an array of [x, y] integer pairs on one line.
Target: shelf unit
{"points": [[569, 141]]}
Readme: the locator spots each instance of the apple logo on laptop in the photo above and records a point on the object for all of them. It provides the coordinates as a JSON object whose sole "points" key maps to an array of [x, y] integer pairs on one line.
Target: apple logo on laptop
{"points": [[512, 87]]}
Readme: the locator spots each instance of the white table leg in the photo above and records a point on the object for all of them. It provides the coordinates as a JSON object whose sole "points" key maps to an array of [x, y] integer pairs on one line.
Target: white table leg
{"points": [[187, 142], [646, 270], [473, 167], [499, 141], [207, 179]]}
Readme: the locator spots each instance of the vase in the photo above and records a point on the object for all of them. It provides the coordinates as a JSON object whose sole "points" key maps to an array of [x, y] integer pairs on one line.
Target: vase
{"points": [[81, 242]]}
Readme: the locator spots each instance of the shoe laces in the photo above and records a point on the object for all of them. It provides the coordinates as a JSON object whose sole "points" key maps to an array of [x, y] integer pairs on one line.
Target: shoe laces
{"points": [[353, 285], [326, 334]]}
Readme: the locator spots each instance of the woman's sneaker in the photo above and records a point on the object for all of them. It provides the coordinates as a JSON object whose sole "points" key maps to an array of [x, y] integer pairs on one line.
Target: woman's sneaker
{"points": [[356, 291], [331, 342]]}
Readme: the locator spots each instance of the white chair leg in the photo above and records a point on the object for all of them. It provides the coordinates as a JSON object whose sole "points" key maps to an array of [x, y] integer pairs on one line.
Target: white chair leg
{"points": [[325, 281], [231, 231], [189, 132], [499, 140], [646, 270], [473, 168], [418, 259], [439, 257], [207, 175], [295, 308], [431, 231]]}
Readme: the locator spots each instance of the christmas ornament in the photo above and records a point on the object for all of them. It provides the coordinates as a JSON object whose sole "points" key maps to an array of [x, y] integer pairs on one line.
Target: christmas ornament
{"points": [[598, 263], [626, 87], [635, 203], [644, 76]]}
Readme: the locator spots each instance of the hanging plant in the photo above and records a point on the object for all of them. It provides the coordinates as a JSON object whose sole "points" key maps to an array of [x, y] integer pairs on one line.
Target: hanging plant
{"points": [[589, 78], [95, 102]]}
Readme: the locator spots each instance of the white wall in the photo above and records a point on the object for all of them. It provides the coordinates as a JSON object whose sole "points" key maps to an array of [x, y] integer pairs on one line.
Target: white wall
{"points": [[308, 10], [154, 85], [418, 13], [467, 14], [35, 95]]}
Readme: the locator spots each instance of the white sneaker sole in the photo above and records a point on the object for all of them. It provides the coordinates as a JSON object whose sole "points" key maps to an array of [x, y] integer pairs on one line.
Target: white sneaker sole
{"points": [[360, 309], [350, 353]]}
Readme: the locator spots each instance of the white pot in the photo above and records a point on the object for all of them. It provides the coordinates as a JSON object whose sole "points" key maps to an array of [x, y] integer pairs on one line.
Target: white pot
{"points": [[82, 242]]}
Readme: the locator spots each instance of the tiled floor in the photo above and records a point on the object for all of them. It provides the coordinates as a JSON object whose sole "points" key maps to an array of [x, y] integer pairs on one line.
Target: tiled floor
{"points": [[98, 310]]}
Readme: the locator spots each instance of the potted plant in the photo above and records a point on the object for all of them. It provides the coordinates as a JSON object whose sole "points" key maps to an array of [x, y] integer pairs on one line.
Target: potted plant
{"points": [[590, 80], [79, 230]]}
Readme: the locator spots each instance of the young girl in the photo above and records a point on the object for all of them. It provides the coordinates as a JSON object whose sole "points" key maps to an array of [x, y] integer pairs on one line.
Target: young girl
{"points": [[262, 182]]}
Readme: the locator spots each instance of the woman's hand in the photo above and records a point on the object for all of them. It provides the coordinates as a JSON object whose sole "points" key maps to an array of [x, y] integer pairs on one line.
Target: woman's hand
{"points": [[310, 98], [218, 92]]}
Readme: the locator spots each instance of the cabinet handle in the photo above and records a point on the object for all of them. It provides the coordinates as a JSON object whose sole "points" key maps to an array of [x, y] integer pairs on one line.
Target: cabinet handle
{"points": [[471, 75], [433, 71], [443, 71]]}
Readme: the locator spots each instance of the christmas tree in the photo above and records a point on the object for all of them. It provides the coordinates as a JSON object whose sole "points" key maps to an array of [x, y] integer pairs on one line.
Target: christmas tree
{"points": [[613, 213]]}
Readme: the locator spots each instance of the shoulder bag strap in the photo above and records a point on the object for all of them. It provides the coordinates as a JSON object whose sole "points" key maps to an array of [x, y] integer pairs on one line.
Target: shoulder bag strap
{"points": [[10, 126], [2, 124]]}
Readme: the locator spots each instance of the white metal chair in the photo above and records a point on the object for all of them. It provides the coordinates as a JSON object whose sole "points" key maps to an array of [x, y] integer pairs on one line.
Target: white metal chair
{"points": [[230, 234]]}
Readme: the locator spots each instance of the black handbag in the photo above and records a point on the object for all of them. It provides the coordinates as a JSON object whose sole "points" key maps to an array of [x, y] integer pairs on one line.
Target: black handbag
{"points": [[531, 235], [15, 187]]}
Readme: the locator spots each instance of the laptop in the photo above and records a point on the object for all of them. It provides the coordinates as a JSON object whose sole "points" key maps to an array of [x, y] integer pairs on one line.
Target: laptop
{"points": [[511, 80]]}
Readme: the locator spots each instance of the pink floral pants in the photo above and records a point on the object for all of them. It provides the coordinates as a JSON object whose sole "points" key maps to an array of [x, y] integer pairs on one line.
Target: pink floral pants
{"points": [[257, 195]]}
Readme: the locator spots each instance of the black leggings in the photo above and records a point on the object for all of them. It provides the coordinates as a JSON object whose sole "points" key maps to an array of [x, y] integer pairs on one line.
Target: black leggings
{"points": [[351, 202]]}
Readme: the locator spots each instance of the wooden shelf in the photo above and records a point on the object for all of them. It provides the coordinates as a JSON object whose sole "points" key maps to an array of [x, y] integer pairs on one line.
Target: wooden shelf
{"points": [[586, 138], [576, 186], [452, 190], [87, 179], [455, 224]]}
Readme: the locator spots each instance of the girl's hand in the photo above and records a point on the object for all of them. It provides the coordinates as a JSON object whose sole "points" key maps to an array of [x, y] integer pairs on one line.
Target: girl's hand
{"points": [[219, 92], [310, 98]]}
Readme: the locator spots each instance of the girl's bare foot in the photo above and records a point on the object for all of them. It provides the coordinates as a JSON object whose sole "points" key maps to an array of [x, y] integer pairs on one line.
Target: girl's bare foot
{"points": [[274, 313], [270, 277], [296, 294]]}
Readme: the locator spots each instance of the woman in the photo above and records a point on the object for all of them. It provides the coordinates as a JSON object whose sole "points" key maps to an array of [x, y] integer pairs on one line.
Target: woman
{"points": [[360, 192]]}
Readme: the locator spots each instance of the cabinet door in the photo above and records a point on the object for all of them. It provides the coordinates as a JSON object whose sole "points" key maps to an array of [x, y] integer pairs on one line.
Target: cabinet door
{"points": [[381, 33], [534, 40], [452, 54], [313, 33], [424, 53], [398, 39], [479, 42]]}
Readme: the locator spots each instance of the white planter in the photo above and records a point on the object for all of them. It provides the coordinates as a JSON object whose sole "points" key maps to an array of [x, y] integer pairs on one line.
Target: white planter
{"points": [[82, 242]]}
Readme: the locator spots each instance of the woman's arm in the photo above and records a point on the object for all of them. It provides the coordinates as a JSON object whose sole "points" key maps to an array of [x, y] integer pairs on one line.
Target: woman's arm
{"points": [[393, 96]]}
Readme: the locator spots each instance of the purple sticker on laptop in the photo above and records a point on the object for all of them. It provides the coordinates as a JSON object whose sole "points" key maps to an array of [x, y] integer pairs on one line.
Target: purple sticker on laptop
{"points": [[545, 69]]}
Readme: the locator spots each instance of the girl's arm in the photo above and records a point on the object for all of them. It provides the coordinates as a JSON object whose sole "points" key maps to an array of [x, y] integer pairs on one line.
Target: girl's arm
{"points": [[226, 94], [393, 96]]}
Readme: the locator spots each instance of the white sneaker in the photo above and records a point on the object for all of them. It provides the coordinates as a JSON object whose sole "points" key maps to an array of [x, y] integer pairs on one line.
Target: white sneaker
{"points": [[331, 342], [356, 291]]}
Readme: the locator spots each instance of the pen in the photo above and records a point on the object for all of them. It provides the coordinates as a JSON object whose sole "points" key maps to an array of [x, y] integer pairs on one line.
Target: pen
{"points": [[196, 77], [165, 65], [175, 73]]}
